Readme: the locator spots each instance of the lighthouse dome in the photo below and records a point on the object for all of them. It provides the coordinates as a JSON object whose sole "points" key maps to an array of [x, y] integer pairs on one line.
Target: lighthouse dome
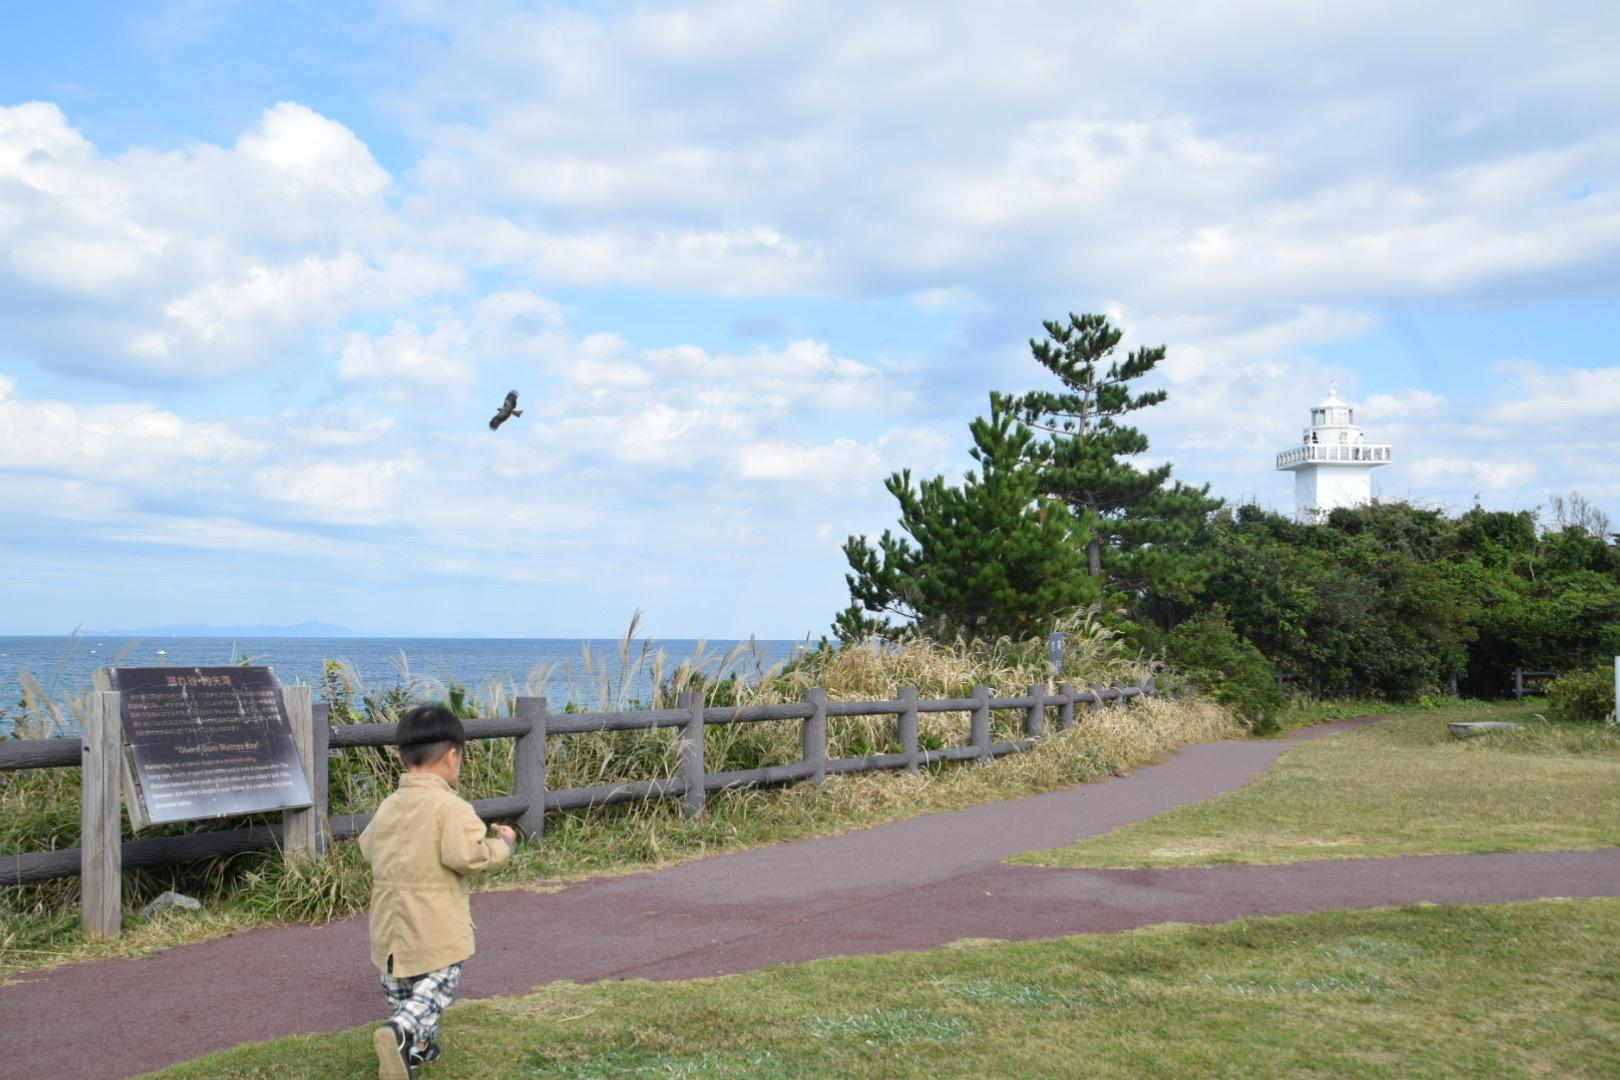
{"points": [[1334, 412]]}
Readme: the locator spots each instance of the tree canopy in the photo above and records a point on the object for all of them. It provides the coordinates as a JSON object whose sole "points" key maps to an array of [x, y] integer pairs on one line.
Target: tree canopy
{"points": [[1141, 523], [986, 557]]}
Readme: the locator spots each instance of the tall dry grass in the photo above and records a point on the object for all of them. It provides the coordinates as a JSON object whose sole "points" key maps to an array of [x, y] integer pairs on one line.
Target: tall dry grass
{"points": [[737, 677]]}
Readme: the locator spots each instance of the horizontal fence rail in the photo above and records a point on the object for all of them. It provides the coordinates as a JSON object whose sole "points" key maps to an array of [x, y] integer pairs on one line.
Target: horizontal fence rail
{"points": [[531, 725]]}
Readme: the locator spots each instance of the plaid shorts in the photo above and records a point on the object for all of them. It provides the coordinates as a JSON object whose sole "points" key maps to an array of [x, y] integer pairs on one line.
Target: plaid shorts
{"points": [[419, 1001]]}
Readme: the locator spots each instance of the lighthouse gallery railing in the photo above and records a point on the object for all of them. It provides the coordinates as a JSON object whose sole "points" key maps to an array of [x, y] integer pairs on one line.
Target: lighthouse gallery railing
{"points": [[1335, 453]]}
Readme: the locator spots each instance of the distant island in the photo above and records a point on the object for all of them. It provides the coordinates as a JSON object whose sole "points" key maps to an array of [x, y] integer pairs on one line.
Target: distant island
{"points": [[303, 629]]}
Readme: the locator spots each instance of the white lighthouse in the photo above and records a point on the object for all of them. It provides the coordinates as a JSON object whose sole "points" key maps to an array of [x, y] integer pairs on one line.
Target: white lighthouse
{"points": [[1333, 464]]}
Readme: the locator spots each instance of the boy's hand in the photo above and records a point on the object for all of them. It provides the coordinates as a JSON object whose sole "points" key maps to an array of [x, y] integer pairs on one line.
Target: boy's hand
{"points": [[507, 833]]}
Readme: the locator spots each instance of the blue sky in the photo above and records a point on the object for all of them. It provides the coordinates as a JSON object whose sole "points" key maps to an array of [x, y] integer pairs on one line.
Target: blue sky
{"points": [[266, 269]]}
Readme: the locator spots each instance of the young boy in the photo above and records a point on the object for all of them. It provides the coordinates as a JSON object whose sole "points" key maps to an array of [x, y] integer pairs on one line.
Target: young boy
{"points": [[422, 845]]}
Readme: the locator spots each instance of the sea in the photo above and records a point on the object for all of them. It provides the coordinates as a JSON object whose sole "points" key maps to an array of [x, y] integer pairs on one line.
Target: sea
{"points": [[563, 669]]}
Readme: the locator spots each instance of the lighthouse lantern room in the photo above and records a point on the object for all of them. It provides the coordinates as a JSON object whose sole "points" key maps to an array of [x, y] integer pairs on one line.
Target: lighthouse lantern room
{"points": [[1333, 464]]}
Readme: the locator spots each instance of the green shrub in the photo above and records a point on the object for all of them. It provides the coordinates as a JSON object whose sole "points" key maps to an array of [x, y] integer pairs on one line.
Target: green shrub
{"points": [[1584, 695], [1234, 671]]}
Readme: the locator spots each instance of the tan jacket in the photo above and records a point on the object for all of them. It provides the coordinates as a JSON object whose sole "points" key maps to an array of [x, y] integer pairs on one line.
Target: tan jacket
{"points": [[421, 845]]}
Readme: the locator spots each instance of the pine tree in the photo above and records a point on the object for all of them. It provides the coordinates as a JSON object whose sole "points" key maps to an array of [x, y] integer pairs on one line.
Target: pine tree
{"points": [[986, 558], [1140, 526]]}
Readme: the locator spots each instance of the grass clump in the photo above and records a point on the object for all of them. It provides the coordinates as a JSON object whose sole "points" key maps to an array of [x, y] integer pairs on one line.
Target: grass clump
{"points": [[757, 1065], [1505, 990], [1020, 995], [1402, 786], [885, 1027]]}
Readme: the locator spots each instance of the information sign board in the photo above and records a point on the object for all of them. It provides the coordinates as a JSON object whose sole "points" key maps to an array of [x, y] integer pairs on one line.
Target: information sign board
{"points": [[207, 742]]}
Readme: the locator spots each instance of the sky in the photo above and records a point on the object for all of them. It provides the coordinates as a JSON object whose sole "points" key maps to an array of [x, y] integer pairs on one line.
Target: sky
{"points": [[267, 269]]}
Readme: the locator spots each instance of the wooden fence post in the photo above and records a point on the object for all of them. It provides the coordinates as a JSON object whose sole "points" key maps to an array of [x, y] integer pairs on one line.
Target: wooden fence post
{"points": [[979, 724], [322, 744], [529, 766], [301, 829], [814, 735], [1035, 717], [101, 882], [692, 754], [907, 725], [1118, 688], [1066, 709]]}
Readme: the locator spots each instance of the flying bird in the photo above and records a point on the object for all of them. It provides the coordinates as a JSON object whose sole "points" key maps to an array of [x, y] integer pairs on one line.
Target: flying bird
{"points": [[508, 409]]}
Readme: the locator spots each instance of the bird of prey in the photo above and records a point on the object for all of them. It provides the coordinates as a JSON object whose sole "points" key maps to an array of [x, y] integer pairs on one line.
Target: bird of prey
{"points": [[508, 409]]}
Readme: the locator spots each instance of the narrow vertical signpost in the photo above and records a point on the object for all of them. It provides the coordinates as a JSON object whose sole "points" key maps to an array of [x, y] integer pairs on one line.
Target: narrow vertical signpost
{"points": [[1054, 651]]}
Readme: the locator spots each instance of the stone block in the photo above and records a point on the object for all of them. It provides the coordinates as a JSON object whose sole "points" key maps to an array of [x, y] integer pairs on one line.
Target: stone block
{"points": [[1479, 727], [170, 900]]}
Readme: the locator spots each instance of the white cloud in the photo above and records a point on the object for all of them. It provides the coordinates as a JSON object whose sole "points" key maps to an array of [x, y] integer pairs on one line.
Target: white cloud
{"points": [[128, 443], [1496, 477], [1555, 398], [1407, 404], [222, 534], [342, 491], [196, 264], [956, 299], [521, 323], [844, 464], [1181, 163], [1206, 345], [685, 407], [314, 152], [406, 357]]}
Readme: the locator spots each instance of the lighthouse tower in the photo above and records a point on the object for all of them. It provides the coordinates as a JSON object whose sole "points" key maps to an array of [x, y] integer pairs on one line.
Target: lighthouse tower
{"points": [[1333, 464]]}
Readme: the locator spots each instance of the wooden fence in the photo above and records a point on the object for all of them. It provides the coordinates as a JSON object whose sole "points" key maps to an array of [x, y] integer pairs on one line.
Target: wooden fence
{"points": [[302, 834], [1539, 678]]}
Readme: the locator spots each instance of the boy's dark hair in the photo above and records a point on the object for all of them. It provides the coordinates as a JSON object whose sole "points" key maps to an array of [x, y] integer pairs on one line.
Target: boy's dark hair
{"points": [[427, 732]]}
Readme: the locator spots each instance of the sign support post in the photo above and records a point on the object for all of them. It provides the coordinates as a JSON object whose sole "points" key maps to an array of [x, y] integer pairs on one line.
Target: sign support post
{"points": [[301, 826], [101, 883]]}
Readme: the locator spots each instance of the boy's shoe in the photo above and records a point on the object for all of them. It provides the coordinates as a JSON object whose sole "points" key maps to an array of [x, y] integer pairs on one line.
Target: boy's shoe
{"points": [[421, 1055], [393, 1048]]}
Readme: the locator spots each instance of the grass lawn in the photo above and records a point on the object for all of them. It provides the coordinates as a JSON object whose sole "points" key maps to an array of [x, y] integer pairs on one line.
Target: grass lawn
{"points": [[1505, 990], [1400, 787]]}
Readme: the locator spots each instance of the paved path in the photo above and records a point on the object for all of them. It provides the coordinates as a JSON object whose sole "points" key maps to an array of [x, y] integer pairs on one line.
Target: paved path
{"points": [[912, 884]]}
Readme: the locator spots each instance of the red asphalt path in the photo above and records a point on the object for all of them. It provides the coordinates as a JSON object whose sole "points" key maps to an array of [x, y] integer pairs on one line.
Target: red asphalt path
{"points": [[914, 884]]}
